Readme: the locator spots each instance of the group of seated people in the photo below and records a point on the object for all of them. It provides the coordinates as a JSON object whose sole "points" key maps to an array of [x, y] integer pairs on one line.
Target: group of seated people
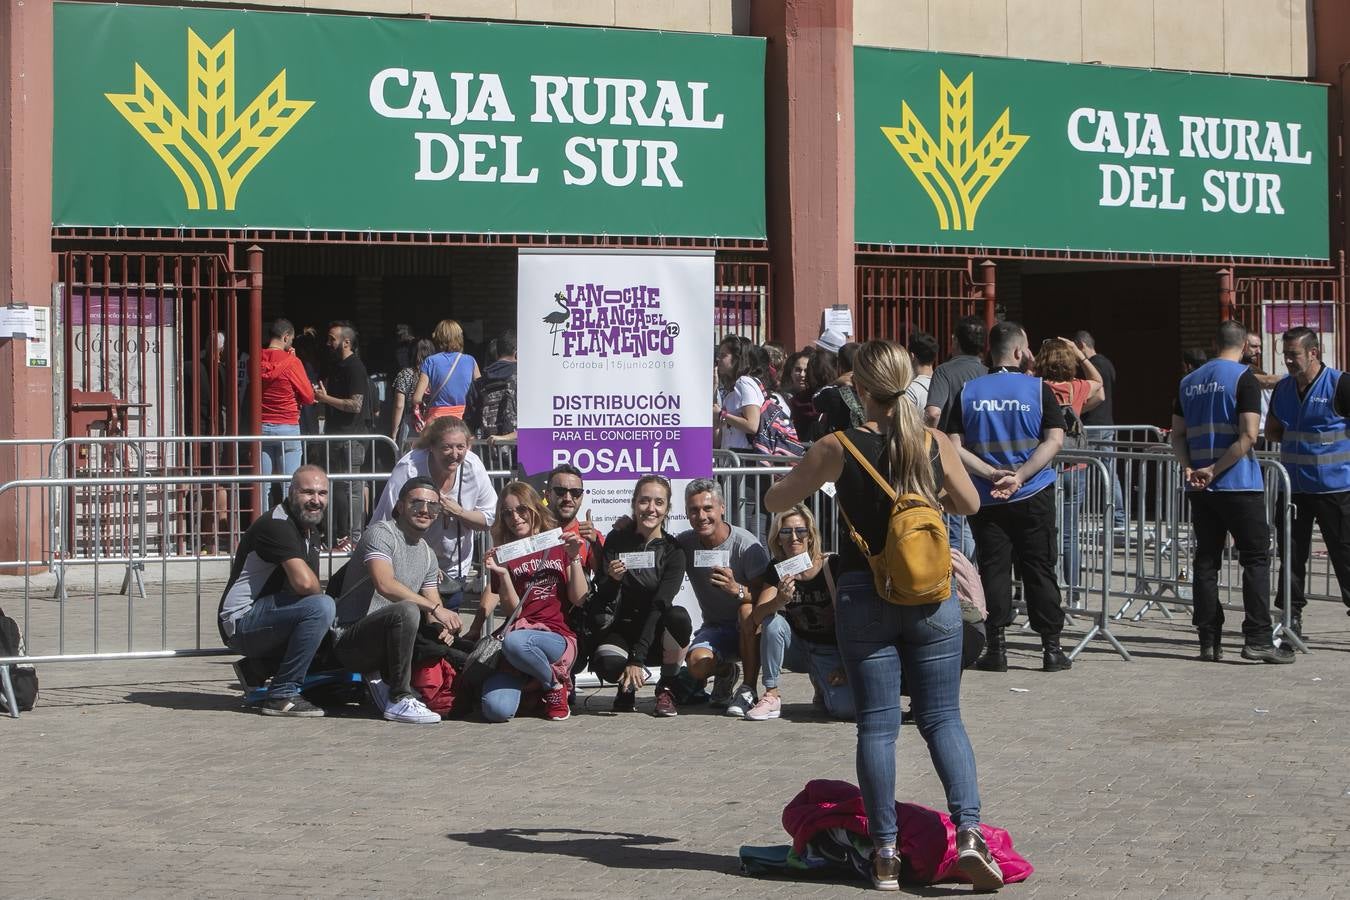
{"points": [[580, 600]]}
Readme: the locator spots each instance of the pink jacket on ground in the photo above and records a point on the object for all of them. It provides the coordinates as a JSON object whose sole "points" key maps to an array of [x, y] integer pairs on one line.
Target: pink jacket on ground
{"points": [[927, 839]]}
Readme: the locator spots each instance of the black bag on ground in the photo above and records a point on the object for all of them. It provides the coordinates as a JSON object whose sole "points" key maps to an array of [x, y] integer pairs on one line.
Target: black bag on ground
{"points": [[24, 678]]}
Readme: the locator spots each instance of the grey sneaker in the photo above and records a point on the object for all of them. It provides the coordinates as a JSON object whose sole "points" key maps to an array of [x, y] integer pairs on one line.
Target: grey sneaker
{"points": [[741, 702], [724, 679], [295, 706], [974, 860]]}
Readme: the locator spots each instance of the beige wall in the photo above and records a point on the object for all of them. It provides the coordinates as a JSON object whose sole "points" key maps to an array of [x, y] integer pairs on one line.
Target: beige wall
{"points": [[711, 16], [1257, 37]]}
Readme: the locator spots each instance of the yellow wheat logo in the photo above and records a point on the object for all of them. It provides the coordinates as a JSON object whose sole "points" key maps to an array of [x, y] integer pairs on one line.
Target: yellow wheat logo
{"points": [[210, 139], [955, 174]]}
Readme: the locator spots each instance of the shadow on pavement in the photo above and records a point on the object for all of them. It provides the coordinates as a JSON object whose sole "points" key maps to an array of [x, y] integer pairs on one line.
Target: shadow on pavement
{"points": [[612, 849], [190, 700]]}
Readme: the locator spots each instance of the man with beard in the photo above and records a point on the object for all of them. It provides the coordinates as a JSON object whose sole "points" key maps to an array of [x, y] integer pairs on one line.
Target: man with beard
{"points": [[563, 497], [389, 587], [273, 604]]}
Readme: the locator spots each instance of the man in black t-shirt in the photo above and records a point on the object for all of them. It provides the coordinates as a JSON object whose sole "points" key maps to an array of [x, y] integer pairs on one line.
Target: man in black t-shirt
{"points": [[1103, 415], [344, 394], [273, 604]]}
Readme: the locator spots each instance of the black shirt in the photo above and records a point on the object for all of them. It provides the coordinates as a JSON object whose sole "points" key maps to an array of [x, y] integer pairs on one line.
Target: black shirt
{"points": [[1051, 415], [643, 595], [867, 505], [1102, 413], [347, 379], [944, 389], [256, 570], [810, 613], [832, 402]]}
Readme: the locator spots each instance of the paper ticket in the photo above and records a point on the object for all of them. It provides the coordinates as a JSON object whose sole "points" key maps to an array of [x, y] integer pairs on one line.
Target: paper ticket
{"points": [[828, 489], [537, 543], [547, 540], [793, 565], [708, 559], [643, 559]]}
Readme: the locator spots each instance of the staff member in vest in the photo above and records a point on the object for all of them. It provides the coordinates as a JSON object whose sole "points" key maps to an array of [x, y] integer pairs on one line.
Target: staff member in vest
{"points": [[1009, 429], [1214, 428], [1308, 418]]}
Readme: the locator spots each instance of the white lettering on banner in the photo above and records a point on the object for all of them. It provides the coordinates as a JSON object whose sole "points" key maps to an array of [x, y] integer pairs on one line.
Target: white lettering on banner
{"points": [[450, 156], [655, 155], [618, 101], [1240, 192], [1144, 141], [1214, 138], [424, 101], [1134, 185], [607, 462]]}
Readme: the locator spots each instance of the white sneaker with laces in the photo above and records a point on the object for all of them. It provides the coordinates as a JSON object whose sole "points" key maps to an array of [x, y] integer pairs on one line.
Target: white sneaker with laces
{"points": [[412, 711]]}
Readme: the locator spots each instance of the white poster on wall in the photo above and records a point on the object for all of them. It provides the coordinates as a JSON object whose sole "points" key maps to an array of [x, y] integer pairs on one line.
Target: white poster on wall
{"points": [[616, 370]]}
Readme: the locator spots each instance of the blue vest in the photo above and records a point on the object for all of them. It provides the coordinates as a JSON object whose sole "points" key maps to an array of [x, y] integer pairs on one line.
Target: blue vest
{"points": [[1209, 405], [1315, 447], [1002, 414]]}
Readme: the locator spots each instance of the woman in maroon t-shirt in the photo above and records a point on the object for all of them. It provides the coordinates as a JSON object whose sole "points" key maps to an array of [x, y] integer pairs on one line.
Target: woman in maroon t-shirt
{"points": [[538, 646]]}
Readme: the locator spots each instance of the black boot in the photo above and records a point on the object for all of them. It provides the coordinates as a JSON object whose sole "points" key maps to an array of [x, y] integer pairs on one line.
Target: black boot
{"points": [[1296, 625], [995, 658], [1211, 646], [1053, 658]]}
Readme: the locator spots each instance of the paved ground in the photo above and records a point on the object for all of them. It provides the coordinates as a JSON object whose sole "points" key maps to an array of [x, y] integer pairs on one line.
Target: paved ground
{"points": [[1162, 777]]}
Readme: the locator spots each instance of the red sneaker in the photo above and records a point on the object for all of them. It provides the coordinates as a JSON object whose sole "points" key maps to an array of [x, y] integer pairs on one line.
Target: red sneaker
{"points": [[555, 704], [665, 703]]}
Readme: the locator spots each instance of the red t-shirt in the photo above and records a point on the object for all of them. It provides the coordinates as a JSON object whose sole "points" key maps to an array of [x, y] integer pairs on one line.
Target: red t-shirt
{"points": [[285, 387], [540, 580], [590, 558], [1081, 390]]}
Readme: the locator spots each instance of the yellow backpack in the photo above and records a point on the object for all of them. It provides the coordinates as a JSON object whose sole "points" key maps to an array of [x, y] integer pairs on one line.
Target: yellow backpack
{"points": [[914, 566]]}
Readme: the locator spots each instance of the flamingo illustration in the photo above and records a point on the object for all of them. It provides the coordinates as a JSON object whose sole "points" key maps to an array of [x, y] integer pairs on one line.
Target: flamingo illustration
{"points": [[556, 319]]}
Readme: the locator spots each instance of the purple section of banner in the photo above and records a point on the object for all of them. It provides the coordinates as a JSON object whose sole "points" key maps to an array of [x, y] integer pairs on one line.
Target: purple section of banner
{"points": [[609, 454]]}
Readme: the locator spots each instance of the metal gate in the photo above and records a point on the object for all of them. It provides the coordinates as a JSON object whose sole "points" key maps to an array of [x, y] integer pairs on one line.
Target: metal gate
{"points": [[1269, 305], [156, 345], [742, 301], [893, 301]]}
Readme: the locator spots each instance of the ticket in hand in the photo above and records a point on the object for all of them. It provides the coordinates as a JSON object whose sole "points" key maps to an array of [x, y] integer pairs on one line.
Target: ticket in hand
{"points": [[643, 559], [793, 565], [828, 489], [710, 559], [546, 540]]}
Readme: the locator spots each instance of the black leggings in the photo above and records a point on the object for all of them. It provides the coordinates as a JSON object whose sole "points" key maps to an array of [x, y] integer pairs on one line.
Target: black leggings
{"points": [[674, 629]]}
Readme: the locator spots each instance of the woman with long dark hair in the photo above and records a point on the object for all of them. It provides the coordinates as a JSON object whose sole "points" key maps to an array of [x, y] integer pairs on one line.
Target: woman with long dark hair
{"points": [[739, 396], [884, 644]]}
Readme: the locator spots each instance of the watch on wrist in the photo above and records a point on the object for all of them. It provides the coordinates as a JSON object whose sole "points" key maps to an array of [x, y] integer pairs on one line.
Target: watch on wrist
{"points": [[740, 593]]}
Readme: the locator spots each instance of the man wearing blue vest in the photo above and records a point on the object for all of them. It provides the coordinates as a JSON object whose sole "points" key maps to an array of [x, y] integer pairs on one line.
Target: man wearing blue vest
{"points": [[1214, 427], [1009, 429], [1308, 418]]}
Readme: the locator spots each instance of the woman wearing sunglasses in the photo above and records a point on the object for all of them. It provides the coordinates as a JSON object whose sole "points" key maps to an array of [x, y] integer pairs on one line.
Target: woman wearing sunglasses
{"points": [[794, 615], [539, 646], [645, 626]]}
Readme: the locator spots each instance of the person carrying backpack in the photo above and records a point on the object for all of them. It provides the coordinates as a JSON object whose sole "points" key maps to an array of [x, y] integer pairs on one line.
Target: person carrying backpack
{"points": [[894, 607], [490, 409], [1058, 363]]}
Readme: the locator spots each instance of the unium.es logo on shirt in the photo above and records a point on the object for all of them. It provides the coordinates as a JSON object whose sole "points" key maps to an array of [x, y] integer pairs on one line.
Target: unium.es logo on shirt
{"points": [[954, 171], [209, 146], [999, 406]]}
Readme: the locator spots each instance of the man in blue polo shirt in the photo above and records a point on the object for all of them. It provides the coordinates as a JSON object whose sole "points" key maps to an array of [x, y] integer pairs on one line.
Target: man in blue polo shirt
{"points": [[1008, 428], [1308, 418], [1214, 427]]}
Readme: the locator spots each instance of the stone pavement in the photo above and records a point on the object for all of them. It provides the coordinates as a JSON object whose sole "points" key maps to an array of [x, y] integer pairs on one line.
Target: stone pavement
{"points": [[1161, 777]]}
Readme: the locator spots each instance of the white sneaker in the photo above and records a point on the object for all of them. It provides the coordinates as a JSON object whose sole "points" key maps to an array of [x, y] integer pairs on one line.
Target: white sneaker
{"points": [[379, 692], [411, 710]]}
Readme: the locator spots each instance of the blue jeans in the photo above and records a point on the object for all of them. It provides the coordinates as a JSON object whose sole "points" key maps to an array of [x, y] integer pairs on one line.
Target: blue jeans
{"points": [[280, 457], [959, 535], [883, 643], [1071, 506], [292, 625], [533, 654], [780, 648]]}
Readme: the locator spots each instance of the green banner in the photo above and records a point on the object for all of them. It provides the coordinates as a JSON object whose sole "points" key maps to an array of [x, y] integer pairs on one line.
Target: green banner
{"points": [[238, 119], [973, 151]]}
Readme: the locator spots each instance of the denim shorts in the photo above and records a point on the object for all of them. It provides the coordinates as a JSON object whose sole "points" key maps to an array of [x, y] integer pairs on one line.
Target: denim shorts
{"points": [[723, 640]]}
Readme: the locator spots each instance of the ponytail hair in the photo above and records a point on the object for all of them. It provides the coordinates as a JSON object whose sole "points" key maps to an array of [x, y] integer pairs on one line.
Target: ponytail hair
{"points": [[882, 369]]}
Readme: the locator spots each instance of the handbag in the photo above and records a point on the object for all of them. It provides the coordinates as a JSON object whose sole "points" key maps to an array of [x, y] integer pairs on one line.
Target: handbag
{"points": [[419, 410], [486, 655]]}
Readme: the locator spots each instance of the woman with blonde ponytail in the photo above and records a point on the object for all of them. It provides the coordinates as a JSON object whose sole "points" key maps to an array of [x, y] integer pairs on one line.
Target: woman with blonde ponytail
{"points": [[878, 640]]}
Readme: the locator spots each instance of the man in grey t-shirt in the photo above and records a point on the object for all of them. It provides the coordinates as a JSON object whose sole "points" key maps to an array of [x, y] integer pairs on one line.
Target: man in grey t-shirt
{"points": [[389, 586], [726, 589]]}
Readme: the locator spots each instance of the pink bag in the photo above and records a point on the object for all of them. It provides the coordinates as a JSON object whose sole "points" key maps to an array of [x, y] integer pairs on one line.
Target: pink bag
{"points": [[969, 588]]}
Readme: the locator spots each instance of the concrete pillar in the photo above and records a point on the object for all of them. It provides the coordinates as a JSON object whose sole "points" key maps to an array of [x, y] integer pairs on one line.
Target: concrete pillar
{"points": [[25, 248], [809, 135]]}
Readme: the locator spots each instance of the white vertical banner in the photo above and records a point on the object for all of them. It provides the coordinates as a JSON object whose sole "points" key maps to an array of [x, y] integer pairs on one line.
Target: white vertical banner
{"points": [[616, 370]]}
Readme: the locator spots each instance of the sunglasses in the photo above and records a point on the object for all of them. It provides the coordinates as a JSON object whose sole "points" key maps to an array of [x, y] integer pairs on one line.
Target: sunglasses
{"points": [[516, 512], [561, 492], [431, 506], [787, 533]]}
